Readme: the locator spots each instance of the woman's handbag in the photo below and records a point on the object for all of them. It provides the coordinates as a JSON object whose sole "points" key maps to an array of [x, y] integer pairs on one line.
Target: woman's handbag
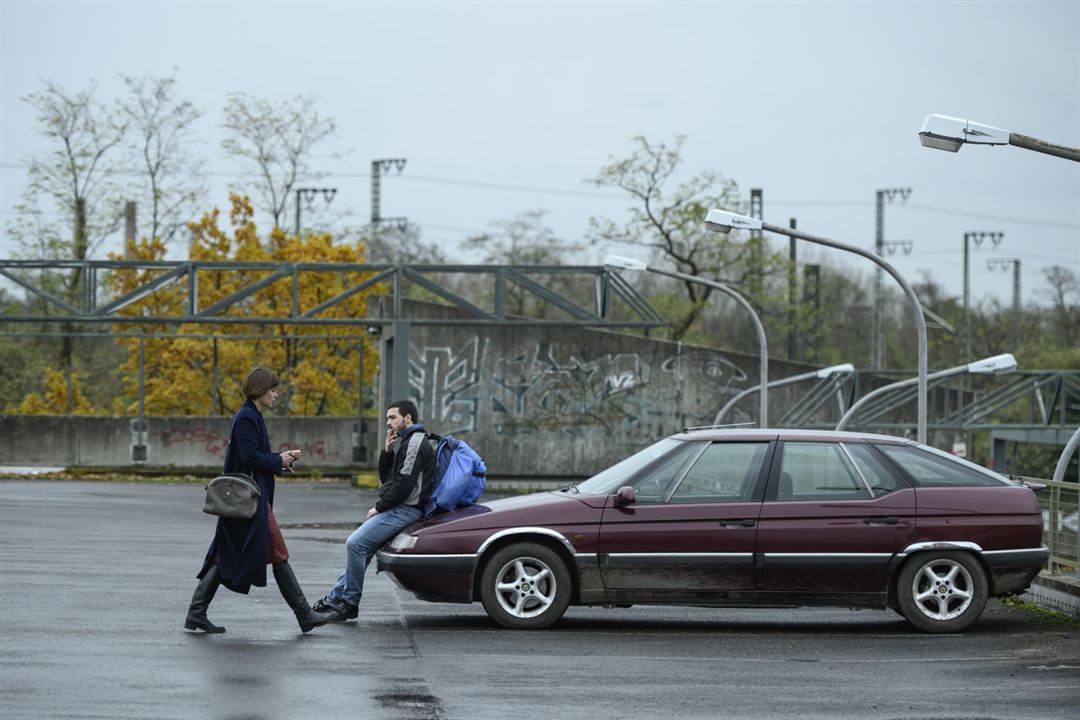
{"points": [[234, 496]]}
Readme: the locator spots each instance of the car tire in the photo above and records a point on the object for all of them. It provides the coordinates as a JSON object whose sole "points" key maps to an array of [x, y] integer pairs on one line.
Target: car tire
{"points": [[525, 586], [942, 592]]}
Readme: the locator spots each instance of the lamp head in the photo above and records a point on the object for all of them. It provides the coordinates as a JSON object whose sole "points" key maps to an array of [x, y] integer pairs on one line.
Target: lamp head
{"points": [[619, 262], [722, 221], [835, 370], [997, 365], [942, 132]]}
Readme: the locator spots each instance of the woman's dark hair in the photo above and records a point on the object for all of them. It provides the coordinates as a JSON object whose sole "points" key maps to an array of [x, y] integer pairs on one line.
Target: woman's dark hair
{"points": [[258, 382], [405, 407]]}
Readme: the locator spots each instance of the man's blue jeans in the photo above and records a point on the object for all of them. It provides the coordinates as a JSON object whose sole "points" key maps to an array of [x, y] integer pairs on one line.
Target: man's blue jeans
{"points": [[362, 545]]}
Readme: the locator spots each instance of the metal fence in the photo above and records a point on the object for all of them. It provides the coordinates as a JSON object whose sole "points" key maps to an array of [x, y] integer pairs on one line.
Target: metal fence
{"points": [[1060, 503]]}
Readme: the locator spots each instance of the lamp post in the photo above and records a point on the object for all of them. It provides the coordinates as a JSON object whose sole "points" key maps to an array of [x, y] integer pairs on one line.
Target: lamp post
{"points": [[996, 365], [624, 263], [943, 132], [821, 374], [723, 221]]}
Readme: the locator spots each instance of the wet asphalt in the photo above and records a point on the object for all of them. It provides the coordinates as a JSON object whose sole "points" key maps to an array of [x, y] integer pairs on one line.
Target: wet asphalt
{"points": [[95, 578]]}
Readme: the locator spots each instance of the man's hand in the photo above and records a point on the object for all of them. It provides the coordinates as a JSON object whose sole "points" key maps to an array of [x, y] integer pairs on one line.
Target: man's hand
{"points": [[390, 438], [371, 513]]}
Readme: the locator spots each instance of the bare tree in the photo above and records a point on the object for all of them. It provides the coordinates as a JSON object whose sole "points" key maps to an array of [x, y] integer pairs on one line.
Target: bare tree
{"points": [[1064, 294], [77, 179], [672, 226], [526, 240], [523, 240], [403, 244], [275, 140], [162, 125]]}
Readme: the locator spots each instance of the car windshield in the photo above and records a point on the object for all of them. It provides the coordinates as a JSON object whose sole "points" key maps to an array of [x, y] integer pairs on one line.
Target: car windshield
{"points": [[610, 480]]}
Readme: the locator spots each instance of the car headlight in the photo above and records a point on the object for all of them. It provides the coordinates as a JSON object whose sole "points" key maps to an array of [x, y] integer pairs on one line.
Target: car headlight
{"points": [[403, 541]]}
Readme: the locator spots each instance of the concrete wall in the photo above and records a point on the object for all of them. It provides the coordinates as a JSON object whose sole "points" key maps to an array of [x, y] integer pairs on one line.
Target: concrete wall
{"points": [[543, 402], [34, 440], [569, 401]]}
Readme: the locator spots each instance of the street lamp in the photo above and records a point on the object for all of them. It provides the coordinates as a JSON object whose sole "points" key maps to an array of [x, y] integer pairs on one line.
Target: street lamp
{"points": [[996, 365], [942, 132], [846, 368], [625, 263], [723, 221]]}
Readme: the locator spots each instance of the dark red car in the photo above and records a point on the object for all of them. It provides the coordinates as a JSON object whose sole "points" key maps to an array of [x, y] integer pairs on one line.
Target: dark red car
{"points": [[766, 518]]}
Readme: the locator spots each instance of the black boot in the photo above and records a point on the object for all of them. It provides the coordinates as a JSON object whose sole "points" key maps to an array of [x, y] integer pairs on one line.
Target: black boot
{"points": [[290, 590], [200, 601]]}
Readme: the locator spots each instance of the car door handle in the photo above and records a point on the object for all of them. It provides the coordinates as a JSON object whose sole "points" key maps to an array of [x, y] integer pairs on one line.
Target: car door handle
{"points": [[738, 523], [888, 520]]}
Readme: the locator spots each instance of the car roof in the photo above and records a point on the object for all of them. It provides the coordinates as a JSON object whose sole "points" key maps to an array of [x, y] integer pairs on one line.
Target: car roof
{"points": [[759, 434]]}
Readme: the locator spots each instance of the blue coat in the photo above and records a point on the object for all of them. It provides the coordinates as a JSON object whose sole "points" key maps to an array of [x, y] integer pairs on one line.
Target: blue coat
{"points": [[242, 545]]}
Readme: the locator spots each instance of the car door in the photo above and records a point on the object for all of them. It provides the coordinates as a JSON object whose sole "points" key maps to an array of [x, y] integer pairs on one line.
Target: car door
{"points": [[691, 529], [834, 517]]}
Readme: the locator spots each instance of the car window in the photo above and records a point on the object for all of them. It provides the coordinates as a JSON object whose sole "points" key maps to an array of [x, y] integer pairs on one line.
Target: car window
{"points": [[931, 470], [655, 485], [725, 472], [818, 471], [619, 474], [881, 479]]}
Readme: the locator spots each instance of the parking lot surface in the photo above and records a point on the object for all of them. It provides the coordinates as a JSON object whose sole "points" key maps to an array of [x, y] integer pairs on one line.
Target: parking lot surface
{"points": [[95, 578]]}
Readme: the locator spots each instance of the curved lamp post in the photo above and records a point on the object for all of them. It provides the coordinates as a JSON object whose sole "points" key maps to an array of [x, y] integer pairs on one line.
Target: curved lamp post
{"points": [[723, 221], [996, 365], [822, 374], [943, 132], [625, 263]]}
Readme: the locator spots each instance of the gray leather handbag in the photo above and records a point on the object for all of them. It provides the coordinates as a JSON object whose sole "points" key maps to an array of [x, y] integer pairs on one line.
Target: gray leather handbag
{"points": [[234, 496]]}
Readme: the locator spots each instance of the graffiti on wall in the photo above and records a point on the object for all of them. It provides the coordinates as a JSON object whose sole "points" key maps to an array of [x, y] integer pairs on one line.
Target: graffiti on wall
{"points": [[446, 384], [568, 391]]}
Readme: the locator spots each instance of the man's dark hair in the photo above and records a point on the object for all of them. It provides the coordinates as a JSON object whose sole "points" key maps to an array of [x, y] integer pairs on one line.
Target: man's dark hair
{"points": [[406, 407], [258, 382]]}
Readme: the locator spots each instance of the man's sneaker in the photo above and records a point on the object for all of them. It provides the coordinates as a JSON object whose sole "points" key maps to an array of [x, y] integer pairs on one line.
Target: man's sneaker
{"points": [[342, 610]]}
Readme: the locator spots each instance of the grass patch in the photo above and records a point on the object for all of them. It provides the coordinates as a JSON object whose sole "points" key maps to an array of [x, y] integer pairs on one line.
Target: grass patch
{"points": [[1052, 617]]}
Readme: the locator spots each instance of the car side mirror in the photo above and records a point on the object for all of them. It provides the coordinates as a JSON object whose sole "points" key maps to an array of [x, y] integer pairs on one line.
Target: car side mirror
{"points": [[624, 496]]}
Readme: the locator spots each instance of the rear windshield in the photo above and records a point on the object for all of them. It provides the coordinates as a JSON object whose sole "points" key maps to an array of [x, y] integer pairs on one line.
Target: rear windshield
{"points": [[932, 468]]}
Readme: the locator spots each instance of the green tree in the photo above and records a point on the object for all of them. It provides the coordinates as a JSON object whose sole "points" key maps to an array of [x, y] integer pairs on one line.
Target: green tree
{"points": [[669, 222]]}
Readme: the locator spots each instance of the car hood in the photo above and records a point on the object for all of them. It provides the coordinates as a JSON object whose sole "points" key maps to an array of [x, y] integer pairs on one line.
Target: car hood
{"points": [[539, 508]]}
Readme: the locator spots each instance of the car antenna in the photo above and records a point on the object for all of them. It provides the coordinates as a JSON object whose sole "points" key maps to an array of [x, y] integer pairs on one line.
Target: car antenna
{"points": [[715, 427]]}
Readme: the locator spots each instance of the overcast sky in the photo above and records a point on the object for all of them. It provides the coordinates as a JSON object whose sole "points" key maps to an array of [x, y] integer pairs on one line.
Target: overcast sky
{"points": [[506, 107]]}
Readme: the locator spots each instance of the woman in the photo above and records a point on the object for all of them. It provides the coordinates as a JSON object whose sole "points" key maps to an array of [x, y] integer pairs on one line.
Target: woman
{"points": [[241, 549]]}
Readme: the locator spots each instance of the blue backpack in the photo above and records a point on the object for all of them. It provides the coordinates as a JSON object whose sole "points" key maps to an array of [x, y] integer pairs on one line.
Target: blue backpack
{"points": [[459, 475]]}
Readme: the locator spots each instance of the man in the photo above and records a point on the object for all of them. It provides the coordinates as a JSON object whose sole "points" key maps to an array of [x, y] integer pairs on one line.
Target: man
{"points": [[406, 474]]}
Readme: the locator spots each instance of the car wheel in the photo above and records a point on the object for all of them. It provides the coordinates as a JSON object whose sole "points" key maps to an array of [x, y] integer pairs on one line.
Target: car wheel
{"points": [[525, 587], [942, 591]]}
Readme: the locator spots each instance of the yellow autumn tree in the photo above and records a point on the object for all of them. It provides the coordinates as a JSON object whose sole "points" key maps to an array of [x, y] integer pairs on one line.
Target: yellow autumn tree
{"points": [[202, 376], [53, 398]]}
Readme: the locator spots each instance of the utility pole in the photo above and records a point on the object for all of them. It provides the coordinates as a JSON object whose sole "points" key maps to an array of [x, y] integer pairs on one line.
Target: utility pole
{"points": [[309, 195], [792, 294], [978, 238], [1003, 264], [757, 239], [877, 359], [377, 168]]}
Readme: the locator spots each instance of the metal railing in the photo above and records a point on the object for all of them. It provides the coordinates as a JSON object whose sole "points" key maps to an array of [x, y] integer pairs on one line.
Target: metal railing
{"points": [[1060, 503]]}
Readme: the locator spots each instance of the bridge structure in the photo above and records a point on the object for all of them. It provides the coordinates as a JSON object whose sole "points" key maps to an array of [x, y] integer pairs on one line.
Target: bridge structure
{"points": [[593, 297]]}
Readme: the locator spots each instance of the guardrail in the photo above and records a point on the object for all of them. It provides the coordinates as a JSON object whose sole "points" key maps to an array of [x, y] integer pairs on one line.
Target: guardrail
{"points": [[1060, 503]]}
